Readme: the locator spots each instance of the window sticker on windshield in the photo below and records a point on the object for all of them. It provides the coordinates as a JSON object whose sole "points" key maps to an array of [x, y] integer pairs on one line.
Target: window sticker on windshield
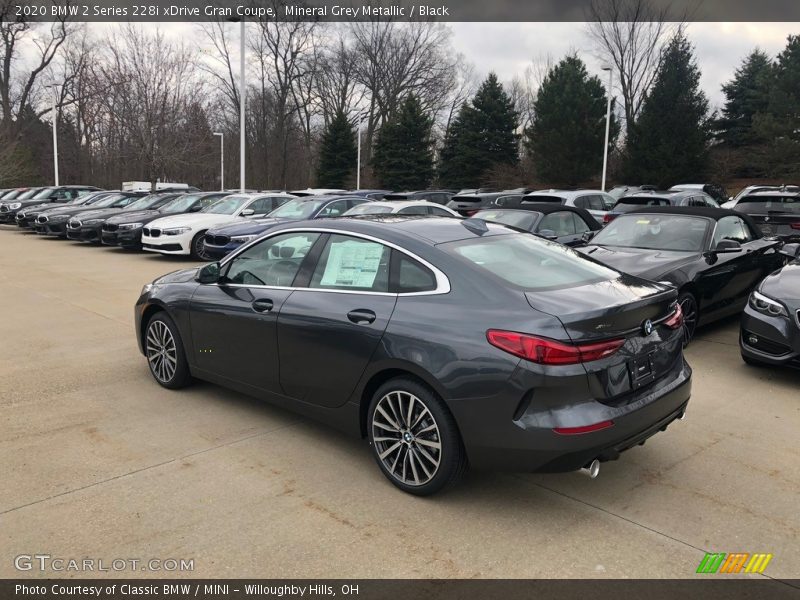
{"points": [[352, 264]]}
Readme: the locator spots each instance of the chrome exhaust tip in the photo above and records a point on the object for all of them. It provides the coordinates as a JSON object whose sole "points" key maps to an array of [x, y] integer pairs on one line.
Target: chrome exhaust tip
{"points": [[592, 470]]}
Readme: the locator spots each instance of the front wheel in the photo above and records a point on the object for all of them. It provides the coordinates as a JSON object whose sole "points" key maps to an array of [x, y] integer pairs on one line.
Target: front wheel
{"points": [[198, 249], [165, 354], [414, 438], [690, 315]]}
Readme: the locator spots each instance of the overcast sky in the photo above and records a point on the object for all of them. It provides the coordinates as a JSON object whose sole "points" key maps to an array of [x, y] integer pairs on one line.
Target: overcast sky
{"points": [[507, 48]]}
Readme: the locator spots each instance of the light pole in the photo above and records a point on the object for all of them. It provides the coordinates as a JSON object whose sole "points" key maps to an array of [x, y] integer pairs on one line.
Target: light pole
{"points": [[55, 130], [358, 163], [221, 159], [608, 125], [242, 104]]}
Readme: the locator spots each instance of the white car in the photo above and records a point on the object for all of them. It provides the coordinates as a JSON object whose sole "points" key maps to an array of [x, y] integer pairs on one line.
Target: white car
{"points": [[402, 207], [183, 234], [316, 192]]}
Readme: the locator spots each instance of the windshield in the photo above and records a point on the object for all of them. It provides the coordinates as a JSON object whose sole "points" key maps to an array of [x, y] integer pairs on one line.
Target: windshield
{"points": [[11, 195], [27, 195], [106, 201], [227, 206], [297, 209], [146, 202], [531, 263], [43, 193], [655, 232], [523, 220], [368, 208], [767, 204]]}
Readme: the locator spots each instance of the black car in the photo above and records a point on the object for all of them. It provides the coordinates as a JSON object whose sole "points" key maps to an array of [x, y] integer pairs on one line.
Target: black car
{"points": [[88, 226], [125, 229], [563, 224], [776, 212], [468, 204], [26, 217], [770, 330], [387, 327], [634, 202], [436, 196], [41, 196], [712, 256], [53, 222], [222, 240]]}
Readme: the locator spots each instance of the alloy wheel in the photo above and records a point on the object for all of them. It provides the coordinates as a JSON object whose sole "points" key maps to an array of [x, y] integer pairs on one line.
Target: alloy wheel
{"points": [[689, 308], [200, 247], [406, 438], [162, 354]]}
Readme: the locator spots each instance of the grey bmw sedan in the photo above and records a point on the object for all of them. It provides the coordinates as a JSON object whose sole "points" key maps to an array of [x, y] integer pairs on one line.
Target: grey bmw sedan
{"points": [[444, 343]]}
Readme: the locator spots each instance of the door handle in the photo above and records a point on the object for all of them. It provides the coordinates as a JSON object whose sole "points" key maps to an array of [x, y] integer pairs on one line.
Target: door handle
{"points": [[262, 305], [361, 315]]}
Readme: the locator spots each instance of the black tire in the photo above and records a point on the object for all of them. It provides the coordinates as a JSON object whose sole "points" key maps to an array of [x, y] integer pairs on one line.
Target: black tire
{"points": [[167, 361], [416, 466], [198, 248], [690, 315]]}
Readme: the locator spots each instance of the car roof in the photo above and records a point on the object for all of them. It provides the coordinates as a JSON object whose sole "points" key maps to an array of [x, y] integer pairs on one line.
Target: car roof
{"points": [[772, 193], [563, 193], [403, 203], [698, 211]]}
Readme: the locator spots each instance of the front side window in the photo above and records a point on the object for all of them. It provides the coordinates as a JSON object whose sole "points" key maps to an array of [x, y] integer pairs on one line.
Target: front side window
{"points": [[349, 263], [274, 261], [731, 228], [227, 206], [261, 206], [561, 223]]}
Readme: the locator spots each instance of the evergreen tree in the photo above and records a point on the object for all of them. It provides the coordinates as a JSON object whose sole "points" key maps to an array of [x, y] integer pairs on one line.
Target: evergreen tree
{"points": [[669, 141], [565, 138], [746, 95], [481, 136], [338, 153], [403, 157]]}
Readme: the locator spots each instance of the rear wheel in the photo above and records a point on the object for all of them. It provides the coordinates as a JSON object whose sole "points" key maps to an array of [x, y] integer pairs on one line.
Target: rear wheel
{"points": [[690, 315], [414, 438], [165, 354], [198, 250]]}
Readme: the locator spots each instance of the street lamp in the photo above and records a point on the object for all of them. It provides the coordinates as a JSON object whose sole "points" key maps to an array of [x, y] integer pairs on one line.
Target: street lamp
{"points": [[608, 125], [358, 159], [221, 160], [242, 102], [55, 130]]}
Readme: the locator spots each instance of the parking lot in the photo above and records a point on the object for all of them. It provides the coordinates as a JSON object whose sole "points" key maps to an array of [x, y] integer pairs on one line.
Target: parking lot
{"points": [[99, 461]]}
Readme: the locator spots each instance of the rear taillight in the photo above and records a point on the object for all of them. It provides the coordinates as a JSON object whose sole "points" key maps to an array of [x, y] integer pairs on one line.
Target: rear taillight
{"points": [[469, 213], [675, 320], [550, 352], [607, 218], [584, 429], [795, 225]]}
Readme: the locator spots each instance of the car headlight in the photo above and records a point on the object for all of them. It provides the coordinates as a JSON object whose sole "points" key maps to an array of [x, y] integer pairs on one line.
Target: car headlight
{"points": [[242, 239], [14, 205], [131, 225], [767, 306], [175, 230]]}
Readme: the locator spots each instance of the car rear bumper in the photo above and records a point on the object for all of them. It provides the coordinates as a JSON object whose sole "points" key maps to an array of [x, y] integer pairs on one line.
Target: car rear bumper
{"points": [[770, 340], [514, 431]]}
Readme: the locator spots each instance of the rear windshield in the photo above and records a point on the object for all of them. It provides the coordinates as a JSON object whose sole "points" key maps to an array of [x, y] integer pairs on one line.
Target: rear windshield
{"points": [[542, 198], [767, 204], [466, 199], [368, 208], [530, 263], [630, 203]]}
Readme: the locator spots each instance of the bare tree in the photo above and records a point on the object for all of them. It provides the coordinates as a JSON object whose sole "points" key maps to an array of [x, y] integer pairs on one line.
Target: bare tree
{"points": [[338, 91], [629, 36]]}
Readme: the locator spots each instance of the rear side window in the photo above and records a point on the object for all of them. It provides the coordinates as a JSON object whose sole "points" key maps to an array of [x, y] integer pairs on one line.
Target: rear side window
{"points": [[414, 210], [349, 263], [529, 263], [411, 276]]}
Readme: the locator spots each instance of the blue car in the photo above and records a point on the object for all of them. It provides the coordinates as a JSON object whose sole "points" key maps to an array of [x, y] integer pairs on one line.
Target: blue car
{"points": [[222, 240]]}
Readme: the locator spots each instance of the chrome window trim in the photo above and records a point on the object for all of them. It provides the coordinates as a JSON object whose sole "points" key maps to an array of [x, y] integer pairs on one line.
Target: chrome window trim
{"points": [[442, 281]]}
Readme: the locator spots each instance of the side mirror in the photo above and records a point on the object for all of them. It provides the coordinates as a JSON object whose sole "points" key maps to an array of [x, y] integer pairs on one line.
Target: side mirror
{"points": [[196, 208], [588, 235], [247, 212], [208, 273], [726, 246], [547, 234]]}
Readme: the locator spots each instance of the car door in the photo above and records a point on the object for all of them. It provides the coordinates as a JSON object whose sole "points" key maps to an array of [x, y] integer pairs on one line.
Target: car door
{"points": [[328, 331], [234, 321], [731, 278], [562, 224]]}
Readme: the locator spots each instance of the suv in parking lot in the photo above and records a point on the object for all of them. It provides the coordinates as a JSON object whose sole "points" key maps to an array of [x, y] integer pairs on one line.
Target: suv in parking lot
{"points": [[41, 196], [596, 202], [468, 204], [777, 212], [695, 199]]}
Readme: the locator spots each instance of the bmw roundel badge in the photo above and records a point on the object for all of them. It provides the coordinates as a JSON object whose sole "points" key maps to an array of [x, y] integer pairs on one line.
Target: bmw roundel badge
{"points": [[647, 327]]}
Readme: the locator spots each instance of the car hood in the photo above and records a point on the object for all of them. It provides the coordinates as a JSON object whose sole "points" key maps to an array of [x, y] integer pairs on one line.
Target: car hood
{"points": [[649, 264], [139, 216], [784, 285], [248, 227], [37, 206], [68, 211], [194, 220], [182, 276]]}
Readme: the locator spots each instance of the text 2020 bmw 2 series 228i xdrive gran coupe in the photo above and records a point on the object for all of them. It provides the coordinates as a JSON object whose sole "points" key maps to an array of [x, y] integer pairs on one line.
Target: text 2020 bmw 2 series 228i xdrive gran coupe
{"points": [[446, 343]]}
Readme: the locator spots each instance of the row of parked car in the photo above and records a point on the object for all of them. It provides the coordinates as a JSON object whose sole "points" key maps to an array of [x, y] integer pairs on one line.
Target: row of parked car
{"points": [[392, 305]]}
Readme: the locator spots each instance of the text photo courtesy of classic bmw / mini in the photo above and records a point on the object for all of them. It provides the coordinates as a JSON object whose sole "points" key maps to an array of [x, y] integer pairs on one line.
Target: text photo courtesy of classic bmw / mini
{"points": [[347, 296]]}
